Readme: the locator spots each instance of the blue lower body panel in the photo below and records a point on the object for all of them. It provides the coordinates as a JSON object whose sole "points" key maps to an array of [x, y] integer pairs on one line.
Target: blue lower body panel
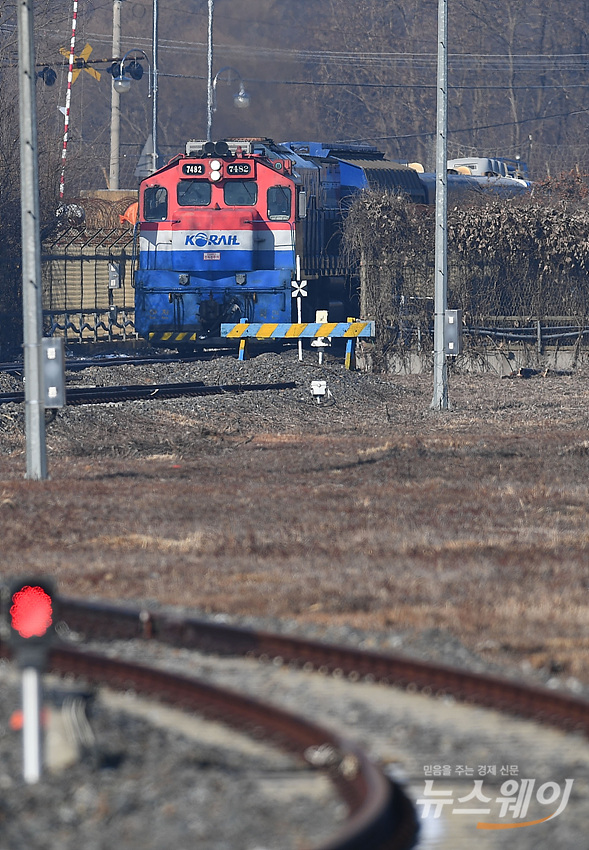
{"points": [[166, 301]]}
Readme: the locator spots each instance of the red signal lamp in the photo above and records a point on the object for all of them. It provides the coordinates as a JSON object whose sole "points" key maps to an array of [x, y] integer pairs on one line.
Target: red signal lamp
{"points": [[31, 612], [31, 617]]}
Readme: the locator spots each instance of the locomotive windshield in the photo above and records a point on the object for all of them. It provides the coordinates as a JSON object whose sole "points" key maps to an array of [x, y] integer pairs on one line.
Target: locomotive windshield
{"points": [[279, 200], [155, 203], [193, 193], [240, 193]]}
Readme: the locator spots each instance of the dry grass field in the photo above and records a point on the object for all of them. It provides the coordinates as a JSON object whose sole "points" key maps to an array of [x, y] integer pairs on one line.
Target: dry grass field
{"points": [[369, 510]]}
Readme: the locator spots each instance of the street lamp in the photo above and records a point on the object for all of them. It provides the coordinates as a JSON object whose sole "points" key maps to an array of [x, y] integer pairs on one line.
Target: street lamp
{"points": [[241, 98], [121, 82], [123, 76]]}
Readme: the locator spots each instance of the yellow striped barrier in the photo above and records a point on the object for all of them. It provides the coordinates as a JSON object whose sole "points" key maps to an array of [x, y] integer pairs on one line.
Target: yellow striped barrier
{"points": [[350, 330]]}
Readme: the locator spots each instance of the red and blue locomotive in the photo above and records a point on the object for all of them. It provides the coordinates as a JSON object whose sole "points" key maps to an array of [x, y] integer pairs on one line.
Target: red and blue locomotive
{"points": [[221, 226], [218, 229]]}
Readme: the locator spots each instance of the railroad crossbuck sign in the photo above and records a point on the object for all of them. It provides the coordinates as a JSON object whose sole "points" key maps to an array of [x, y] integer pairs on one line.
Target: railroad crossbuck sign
{"points": [[299, 291], [299, 288], [80, 63]]}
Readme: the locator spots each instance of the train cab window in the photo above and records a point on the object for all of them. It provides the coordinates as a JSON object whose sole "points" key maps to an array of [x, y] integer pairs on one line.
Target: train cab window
{"points": [[193, 193], [240, 193], [279, 202], [155, 203]]}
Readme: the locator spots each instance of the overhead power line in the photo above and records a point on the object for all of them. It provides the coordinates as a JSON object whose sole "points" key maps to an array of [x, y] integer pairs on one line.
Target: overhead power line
{"points": [[465, 129], [537, 62], [333, 83]]}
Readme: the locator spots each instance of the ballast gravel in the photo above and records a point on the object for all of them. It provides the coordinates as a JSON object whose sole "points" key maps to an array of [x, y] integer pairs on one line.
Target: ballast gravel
{"points": [[142, 785]]}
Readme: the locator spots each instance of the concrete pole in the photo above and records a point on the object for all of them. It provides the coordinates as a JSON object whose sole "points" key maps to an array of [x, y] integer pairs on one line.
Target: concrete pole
{"points": [[154, 84], [115, 113], [210, 72], [36, 452], [440, 397]]}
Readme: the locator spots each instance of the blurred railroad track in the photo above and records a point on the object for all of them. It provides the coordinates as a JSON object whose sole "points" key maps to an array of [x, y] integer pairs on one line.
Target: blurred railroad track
{"points": [[380, 814], [121, 357], [103, 621], [135, 392], [78, 364], [381, 817]]}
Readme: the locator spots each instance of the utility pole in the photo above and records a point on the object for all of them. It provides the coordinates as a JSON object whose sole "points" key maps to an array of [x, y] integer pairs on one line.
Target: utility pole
{"points": [[154, 84], [115, 113], [210, 71], [440, 397], [36, 451]]}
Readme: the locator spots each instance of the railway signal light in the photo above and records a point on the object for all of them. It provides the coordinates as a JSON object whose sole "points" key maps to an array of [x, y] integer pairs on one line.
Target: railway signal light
{"points": [[53, 358], [31, 620], [453, 332], [134, 69], [48, 76], [31, 615]]}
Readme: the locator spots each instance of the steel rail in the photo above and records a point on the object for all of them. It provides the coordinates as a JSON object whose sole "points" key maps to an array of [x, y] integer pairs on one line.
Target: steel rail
{"points": [[381, 816], [97, 620], [73, 364], [137, 392]]}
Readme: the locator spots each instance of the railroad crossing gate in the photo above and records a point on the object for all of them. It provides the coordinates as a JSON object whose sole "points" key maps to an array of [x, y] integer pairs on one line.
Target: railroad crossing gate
{"points": [[350, 330]]}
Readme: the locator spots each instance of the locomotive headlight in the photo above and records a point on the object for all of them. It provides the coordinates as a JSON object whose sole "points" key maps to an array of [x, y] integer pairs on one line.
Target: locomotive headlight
{"points": [[215, 170]]}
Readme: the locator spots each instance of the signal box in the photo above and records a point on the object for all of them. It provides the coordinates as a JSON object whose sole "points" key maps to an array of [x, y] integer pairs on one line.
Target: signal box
{"points": [[53, 371], [453, 332]]}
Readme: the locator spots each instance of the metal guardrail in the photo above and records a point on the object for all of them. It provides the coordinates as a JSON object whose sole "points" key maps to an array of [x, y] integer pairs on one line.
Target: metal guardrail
{"points": [[536, 333]]}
